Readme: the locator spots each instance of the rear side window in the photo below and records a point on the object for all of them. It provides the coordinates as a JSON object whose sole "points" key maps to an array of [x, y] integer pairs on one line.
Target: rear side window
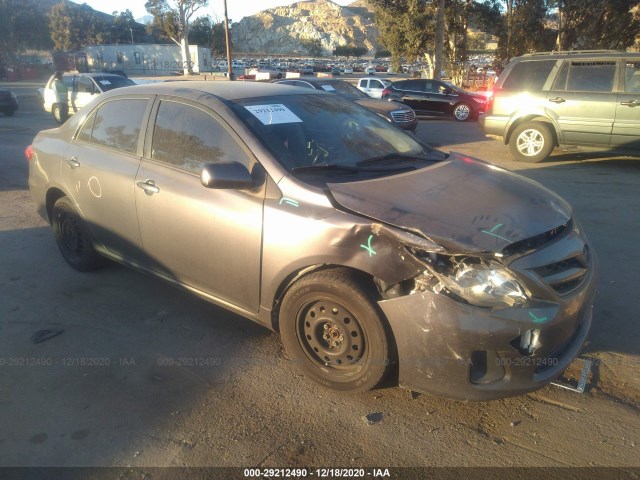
{"points": [[528, 75], [85, 132], [187, 137], [117, 124], [413, 85], [586, 76]]}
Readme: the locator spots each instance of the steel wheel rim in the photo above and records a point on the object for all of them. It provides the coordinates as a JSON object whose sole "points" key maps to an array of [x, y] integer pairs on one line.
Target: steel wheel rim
{"points": [[462, 112], [530, 142], [331, 336], [71, 235]]}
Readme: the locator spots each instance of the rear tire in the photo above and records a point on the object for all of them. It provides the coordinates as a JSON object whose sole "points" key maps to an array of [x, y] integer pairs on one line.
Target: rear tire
{"points": [[531, 142], [462, 112], [73, 237], [334, 333]]}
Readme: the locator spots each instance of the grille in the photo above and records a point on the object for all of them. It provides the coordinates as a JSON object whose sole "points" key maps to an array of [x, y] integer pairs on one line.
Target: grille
{"points": [[566, 275], [403, 116]]}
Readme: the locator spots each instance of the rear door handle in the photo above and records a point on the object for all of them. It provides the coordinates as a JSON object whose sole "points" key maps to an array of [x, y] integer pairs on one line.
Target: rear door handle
{"points": [[631, 103], [557, 100], [72, 162], [149, 187]]}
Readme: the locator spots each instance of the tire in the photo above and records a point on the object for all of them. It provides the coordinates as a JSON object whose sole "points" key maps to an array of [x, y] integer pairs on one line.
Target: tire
{"points": [[334, 332], [462, 112], [73, 238], [58, 114], [531, 142]]}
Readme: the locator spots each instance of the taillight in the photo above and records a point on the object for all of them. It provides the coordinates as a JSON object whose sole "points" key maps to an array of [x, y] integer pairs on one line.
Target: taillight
{"points": [[489, 104], [386, 92], [28, 152]]}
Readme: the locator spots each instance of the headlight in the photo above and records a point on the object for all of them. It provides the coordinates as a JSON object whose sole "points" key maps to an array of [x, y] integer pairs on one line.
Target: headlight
{"points": [[486, 285], [483, 283]]}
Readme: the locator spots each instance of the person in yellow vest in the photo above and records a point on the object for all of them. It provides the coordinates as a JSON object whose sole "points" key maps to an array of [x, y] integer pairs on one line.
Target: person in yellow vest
{"points": [[62, 95]]}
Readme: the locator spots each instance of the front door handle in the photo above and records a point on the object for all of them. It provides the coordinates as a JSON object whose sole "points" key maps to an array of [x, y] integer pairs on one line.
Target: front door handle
{"points": [[149, 187], [72, 162], [631, 103], [557, 100]]}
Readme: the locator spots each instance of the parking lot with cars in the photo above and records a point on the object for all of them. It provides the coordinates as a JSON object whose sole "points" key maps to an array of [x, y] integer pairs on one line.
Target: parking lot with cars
{"points": [[139, 373]]}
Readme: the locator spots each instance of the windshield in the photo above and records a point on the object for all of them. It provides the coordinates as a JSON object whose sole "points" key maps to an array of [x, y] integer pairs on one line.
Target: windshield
{"points": [[111, 82], [317, 130]]}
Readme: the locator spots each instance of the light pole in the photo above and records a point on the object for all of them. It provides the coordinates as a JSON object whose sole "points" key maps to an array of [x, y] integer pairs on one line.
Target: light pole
{"points": [[226, 32], [131, 30]]}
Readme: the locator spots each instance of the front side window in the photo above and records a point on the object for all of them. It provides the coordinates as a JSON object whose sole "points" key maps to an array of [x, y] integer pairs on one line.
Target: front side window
{"points": [[85, 85], [117, 124], [632, 77], [187, 137]]}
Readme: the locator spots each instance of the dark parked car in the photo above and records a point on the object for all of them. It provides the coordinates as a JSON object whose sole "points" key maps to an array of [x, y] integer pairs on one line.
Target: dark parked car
{"points": [[8, 102], [433, 97], [544, 100], [372, 254], [403, 116]]}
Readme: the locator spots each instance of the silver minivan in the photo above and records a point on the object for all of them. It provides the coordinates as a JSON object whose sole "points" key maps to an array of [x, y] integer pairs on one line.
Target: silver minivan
{"points": [[582, 98]]}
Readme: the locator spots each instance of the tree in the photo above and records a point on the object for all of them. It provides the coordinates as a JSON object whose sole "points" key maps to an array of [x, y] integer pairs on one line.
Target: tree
{"points": [[313, 47], [23, 26], [174, 18], [351, 51], [72, 26], [608, 24]]}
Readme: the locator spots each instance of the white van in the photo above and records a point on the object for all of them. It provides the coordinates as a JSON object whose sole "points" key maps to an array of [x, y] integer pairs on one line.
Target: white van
{"points": [[83, 87]]}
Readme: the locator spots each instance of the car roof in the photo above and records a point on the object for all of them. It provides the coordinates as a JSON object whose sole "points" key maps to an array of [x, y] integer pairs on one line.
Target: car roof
{"points": [[226, 90], [92, 75], [578, 54]]}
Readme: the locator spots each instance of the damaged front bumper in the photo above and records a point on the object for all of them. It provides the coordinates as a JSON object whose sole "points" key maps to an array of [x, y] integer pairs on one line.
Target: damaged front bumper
{"points": [[459, 351]]}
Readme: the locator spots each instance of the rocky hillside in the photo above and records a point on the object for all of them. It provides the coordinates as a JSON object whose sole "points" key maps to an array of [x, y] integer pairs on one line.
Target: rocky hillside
{"points": [[282, 30]]}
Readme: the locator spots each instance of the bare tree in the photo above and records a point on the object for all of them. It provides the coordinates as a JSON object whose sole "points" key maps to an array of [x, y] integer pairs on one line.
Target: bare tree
{"points": [[174, 17]]}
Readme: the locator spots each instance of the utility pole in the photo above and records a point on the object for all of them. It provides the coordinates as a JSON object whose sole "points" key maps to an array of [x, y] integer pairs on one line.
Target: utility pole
{"points": [[131, 30], [226, 32]]}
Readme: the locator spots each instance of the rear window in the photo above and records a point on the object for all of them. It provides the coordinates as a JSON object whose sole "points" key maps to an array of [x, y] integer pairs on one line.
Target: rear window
{"points": [[111, 82], [528, 75]]}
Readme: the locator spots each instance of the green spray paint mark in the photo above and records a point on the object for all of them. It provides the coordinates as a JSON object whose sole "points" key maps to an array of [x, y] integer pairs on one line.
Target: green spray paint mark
{"points": [[368, 248], [289, 201], [490, 232], [538, 319]]}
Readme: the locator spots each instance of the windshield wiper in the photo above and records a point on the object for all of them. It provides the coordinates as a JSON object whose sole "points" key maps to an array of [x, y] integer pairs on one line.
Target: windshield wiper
{"points": [[330, 167], [395, 157], [333, 167]]}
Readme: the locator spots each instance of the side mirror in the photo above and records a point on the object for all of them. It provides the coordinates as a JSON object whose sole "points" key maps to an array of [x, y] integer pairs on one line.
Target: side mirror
{"points": [[226, 175]]}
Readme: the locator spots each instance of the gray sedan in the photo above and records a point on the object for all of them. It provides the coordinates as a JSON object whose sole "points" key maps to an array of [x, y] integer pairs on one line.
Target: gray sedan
{"points": [[375, 256]]}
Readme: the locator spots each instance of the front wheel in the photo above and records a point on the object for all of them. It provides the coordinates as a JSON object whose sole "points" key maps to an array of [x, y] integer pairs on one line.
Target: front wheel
{"points": [[462, 112], [73, 238], [333, 331], [531, 142]]}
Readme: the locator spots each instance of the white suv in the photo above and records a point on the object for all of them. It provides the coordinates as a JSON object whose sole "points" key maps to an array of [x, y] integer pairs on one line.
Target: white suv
{"points": [[373, 86], [82, 89]]}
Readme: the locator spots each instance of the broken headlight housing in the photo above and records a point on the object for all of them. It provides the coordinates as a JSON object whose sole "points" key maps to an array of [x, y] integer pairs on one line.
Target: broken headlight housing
{"points": [[479, 282]]}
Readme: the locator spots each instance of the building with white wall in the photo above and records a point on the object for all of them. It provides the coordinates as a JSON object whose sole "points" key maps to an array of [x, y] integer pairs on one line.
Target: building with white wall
{"points": [[146, 59]]}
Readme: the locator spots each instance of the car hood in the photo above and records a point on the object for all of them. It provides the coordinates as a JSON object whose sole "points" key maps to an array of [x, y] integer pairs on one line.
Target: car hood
{"points": [[463, 204], [383, 106]]}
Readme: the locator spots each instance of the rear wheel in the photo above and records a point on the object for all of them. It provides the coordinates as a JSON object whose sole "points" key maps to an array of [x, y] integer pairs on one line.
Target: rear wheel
{"points": [[462, 112], [333, 331], [531, 142], [73, 238]]}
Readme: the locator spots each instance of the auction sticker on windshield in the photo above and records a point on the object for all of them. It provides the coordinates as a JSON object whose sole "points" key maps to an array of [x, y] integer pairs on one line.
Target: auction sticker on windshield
{"points": [[273, 114]]}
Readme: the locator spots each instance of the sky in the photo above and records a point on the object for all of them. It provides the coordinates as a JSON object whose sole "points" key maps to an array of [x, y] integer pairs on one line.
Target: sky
{"points": [[236, 8]]}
